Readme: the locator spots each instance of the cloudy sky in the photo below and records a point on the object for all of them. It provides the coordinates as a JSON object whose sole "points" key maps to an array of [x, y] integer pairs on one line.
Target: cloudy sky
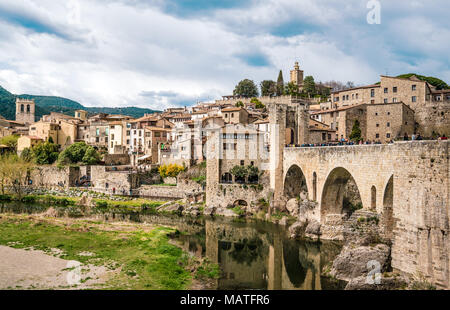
{"points": [[160, 53]]}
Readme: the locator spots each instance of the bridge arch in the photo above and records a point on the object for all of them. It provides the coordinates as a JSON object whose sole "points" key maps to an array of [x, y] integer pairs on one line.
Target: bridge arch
{"points": [[388, 210], [340, 193], [294, 182], [241, 203]]}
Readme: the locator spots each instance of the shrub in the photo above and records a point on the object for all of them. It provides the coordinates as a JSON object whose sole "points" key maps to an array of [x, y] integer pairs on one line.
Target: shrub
{"points": [[171, 170]]}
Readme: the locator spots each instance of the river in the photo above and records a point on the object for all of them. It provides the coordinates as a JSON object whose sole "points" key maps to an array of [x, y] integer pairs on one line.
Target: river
{"points": [[251, 254]]}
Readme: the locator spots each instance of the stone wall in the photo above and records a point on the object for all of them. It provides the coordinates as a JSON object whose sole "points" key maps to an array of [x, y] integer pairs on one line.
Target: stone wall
{"points": [[181, 191], [117, 159], [416, 210], [51, 176], [106, 181]]}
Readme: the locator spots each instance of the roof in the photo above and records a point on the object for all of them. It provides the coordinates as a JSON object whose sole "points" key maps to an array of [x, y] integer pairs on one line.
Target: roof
{"points": [[116, 123], [32, 137], [355, 88], [338, 109], [153, 128], [262, 121], [234, 109], [319, 126]]}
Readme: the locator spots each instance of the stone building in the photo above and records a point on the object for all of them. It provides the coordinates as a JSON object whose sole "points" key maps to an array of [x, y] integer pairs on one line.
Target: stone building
{"points": [[431, 114], [320, 133], [235, 115], [386, 122], [27, 142], [25, 111]]}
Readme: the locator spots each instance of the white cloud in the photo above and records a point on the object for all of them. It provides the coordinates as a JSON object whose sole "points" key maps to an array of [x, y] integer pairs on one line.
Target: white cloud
{"points": [[134, 53]]}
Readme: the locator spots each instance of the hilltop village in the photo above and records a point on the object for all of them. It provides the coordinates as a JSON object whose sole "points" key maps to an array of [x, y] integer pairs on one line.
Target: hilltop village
{"points": [[318, 163]]}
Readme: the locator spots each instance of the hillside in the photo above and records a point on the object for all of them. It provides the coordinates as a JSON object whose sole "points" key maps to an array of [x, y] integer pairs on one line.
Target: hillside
{"points": [[47, 104], [438, 83]]}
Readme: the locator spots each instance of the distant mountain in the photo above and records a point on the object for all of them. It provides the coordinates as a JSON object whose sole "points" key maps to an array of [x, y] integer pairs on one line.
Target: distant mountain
{"points": [[47, 104]]}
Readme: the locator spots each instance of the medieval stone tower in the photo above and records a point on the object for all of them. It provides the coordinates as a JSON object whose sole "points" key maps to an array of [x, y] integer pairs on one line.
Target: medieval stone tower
{"points": [[25, 110], [297, 76]]}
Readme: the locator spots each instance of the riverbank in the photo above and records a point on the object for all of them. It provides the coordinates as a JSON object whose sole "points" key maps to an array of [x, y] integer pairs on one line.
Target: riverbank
{"points": [[114, 255]]}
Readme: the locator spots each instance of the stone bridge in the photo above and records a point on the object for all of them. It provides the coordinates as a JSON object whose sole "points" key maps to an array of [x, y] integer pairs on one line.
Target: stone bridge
{"points": [[407, 183]]}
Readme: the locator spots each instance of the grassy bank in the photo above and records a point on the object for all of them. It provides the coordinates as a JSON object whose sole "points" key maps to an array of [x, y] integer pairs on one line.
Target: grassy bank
{"points": [[142, 255]]}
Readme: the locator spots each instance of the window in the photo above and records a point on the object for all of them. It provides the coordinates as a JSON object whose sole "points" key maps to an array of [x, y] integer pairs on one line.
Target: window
{"points": [[388, 113], [386, 90], [22, 109], [385, 100], [376, 113], [112, 127], [324, 136], [388, 135], [353, 96], [226, 114], [372, 93], [157, 134], [388, 124], [247, 136], [140, 133], [224, 136], [406, 123], [242, 162], [414, 99], [394, 89], [112, 137], [97, 139], [232, 114], [252, 163], [343, 98], [356, 96], [128, 142], [224, 146], [235, 136], [372, 101], [106, 140], [112, 144], [378, 125], [394, 100], [346, 97], [377, 135], [97, 132], [413, 87]]}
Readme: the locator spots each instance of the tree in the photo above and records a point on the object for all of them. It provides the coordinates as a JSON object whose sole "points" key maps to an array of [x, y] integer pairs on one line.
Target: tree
{"points": [[240, 173], [355, 135], [76, 153], [268, 88], [291, 89], [14, 172], [246, 88], [258, 104], [45, 153], [10, 141], [27, 154], [280, 84], [239, 104], [171, 170], [309, 86], [91, 157]]}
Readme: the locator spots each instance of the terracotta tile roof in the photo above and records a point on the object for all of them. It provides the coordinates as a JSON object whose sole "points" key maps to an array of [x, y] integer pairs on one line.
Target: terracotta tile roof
{"points": [[233, 109]]}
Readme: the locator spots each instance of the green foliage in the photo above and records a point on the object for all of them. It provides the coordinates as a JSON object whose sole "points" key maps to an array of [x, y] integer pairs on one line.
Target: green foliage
{"points": [[79, 152], [252, 171], [238, 210], [280, 84], [239, 171], [171, 170], [10, 141], [291, 89], [258, 104], [246, 88], [91, 156], [355, 135], [239, 104], [268, 88], [309, 85], [44, 153], [27, 154], [438, 83]]}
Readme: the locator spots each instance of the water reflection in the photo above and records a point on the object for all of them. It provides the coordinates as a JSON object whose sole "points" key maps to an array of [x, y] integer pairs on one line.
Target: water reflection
{"points": [[251, 255], [260, 256]]}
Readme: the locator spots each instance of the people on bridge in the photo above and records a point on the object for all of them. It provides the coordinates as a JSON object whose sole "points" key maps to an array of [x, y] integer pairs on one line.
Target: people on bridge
{"points": [[419, 137], [405, 137], [443, 138]]}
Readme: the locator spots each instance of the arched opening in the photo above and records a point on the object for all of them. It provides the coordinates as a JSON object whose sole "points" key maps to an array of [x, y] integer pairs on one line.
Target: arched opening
{"points": [[388, 211], [290, 136], [295, 183], [28, 108], [315, 186], [240, 203], [226, 178], [340, 194], [373, 198], [22, 108]]}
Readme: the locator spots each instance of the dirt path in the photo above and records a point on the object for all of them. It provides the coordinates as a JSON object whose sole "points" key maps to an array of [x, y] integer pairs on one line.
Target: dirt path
{"points": [[33, 269]]}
